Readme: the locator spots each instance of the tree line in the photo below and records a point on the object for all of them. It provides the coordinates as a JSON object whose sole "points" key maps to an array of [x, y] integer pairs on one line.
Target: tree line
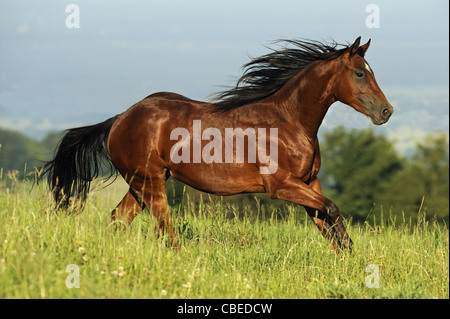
{"points": [[20, 154], [361, 172], [364, 174]]}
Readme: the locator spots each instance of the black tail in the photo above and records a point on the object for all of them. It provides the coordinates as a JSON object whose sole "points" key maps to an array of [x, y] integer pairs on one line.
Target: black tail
{"points": [[80, 156]]}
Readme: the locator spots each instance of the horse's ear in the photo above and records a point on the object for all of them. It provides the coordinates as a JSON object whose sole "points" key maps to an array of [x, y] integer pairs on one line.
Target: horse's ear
{"points": [[354, 47], [362, 50]]}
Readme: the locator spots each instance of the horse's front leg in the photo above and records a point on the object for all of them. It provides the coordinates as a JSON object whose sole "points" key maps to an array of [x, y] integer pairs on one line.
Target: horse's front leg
{"points": [[323, 211], [326, 226]]}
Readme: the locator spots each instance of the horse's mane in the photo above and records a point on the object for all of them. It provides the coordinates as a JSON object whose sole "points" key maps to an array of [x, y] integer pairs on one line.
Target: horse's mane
{"points": [[265, 75]]}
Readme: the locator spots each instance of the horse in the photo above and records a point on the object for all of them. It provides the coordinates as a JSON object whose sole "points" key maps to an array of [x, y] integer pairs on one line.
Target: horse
{"points": [[287, 91]]}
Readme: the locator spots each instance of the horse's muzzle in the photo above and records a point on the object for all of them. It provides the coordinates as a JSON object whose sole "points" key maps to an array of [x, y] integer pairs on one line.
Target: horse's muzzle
{"points": [[383, 116]]}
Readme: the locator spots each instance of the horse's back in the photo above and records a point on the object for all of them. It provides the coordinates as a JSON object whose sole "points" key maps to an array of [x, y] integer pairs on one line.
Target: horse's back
{"points": [[170, 97], [145, 127]]}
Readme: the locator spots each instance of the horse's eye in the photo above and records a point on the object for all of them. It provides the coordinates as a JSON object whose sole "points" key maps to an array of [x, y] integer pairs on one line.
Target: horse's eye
{"points": [[359, 74]]}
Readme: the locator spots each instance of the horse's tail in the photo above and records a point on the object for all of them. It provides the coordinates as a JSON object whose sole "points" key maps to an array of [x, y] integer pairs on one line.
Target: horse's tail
{"points": [[81, 155]]}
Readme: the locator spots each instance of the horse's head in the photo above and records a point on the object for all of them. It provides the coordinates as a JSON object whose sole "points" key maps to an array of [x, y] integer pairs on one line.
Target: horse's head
{"points": [[356, 86]]}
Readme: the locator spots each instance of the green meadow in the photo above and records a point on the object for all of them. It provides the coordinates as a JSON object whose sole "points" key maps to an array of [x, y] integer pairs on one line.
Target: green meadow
{"points": [[226, 251]]}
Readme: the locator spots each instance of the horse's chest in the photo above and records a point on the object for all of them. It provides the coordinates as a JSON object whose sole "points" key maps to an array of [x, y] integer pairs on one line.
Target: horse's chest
{"points": [[303, 163]]}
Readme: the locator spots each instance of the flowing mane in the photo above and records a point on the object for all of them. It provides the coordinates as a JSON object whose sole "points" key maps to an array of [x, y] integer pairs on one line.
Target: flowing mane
{"points": [[265, 75]]}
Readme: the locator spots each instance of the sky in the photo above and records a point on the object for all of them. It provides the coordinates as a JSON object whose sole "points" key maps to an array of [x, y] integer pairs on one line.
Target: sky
{"points": [[55, 76]]}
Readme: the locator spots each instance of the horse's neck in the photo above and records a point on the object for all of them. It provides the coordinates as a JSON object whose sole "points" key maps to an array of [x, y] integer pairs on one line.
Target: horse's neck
{"points": [[305, 98]]}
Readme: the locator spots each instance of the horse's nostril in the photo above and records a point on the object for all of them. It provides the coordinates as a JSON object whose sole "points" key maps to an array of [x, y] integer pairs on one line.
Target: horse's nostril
{"points": [[386, 112]]}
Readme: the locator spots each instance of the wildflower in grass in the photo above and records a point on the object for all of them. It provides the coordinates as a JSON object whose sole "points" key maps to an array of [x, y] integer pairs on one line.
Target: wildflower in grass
{"points": [[187, 285], [163, 292], [118, 273]]}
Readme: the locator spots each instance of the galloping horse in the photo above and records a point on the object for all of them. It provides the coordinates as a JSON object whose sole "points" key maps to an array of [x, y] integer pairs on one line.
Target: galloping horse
{"points": [[287, 92]]}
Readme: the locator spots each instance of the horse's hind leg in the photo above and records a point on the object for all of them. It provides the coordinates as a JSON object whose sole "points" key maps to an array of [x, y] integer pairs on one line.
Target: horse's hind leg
{"points": [[155, 199], [128, 208]]}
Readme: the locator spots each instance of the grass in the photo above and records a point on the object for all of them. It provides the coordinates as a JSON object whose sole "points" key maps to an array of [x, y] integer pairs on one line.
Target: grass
{"points": [[225, 252]]}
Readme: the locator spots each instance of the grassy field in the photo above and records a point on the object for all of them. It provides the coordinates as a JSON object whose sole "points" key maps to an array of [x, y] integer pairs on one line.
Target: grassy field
{"points": [[221, 255]]}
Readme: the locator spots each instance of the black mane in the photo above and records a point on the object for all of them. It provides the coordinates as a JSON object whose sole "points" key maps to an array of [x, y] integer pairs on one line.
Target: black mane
{"points": [[265, 75]]}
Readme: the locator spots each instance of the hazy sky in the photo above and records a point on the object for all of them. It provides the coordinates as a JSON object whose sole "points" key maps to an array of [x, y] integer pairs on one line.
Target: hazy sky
{"points": [[53, 77]]}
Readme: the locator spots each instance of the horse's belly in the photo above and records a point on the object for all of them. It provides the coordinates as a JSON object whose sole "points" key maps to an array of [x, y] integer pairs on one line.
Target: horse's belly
{"points": [[220, 179]]}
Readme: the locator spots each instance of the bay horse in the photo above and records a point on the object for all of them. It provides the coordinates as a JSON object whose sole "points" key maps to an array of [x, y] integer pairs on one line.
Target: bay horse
{"points": [[289, 89]]}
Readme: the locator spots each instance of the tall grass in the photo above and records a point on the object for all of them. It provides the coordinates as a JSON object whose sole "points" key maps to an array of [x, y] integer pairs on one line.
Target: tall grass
{"points": [[225, 252]]}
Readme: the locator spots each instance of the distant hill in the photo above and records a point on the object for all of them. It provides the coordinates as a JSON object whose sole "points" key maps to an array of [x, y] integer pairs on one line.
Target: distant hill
{"points": [[21, 153]]}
